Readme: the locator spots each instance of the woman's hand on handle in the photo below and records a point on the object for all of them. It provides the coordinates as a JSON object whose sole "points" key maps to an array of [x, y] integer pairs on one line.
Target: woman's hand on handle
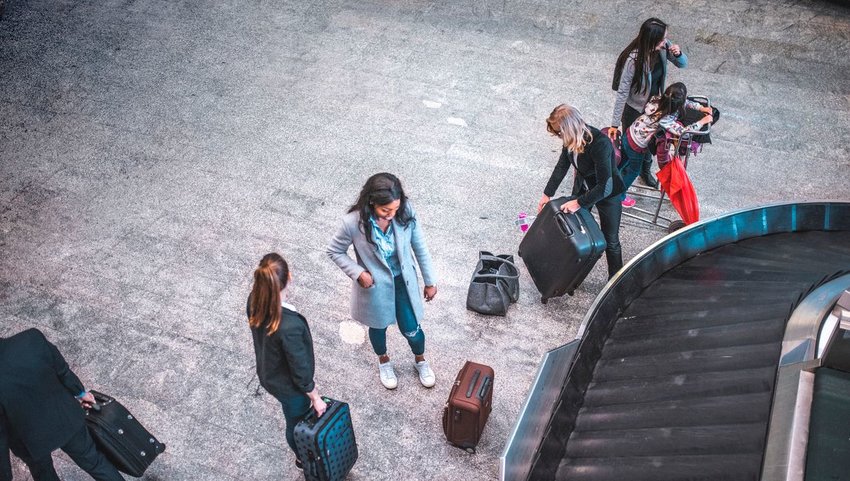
{"points": [[365, 280], [88, 400], [543, 201], [707, 119], [429, 293], [319, 404], [570, 206]]}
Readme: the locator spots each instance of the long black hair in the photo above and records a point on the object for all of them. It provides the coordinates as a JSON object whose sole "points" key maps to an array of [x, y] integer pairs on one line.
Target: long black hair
{"points": [[672, 101], [380, 189], [651, 33]]}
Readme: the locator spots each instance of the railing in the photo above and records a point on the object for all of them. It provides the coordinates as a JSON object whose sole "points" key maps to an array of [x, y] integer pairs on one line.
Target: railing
{"points": [[807, 337], [620, 291]]}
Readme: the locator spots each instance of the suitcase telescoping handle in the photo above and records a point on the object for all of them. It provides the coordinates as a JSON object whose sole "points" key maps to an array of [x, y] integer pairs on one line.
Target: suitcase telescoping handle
{"points": [[485, 386], [471, 388]]}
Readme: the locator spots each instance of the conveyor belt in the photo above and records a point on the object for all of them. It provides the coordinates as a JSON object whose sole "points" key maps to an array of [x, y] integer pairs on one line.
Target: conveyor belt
{"points": [[684, 385]]}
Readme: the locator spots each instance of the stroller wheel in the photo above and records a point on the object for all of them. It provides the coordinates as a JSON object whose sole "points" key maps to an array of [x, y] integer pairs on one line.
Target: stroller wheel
{"points": [[675, 225]]}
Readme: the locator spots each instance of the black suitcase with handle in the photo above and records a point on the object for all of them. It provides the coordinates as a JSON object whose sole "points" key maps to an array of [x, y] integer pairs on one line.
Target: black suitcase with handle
{"points": [[559, 250], [120, 436], [326, 445]]}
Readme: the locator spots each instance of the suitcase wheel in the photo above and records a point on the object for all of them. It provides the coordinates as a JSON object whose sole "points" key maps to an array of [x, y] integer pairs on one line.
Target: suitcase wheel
{"points": [[544, 300], [570, 293], [675, 225]]}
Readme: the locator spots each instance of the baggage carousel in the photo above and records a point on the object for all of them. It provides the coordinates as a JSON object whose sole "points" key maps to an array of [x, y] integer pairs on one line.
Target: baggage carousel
{"points": [[694, 361]]}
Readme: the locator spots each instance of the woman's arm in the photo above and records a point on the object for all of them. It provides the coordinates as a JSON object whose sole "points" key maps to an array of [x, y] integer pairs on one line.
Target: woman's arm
{"points": [[338, 252], [558, 173], [420, 250], [601, 154], [623, 91], [680, 61], [298, 350]]}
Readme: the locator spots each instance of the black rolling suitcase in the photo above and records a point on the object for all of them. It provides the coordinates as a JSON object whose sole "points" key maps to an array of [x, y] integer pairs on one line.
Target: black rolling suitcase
{"points": [[560, 249], [326, 445], [120, 436]]}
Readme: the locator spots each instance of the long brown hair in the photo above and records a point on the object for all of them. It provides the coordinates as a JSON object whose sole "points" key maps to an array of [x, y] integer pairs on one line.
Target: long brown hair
{"points": [[270, 278]]}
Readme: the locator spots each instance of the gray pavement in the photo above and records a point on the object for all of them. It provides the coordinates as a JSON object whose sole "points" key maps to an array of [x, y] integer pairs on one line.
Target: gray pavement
{"points": [[151, 153]]}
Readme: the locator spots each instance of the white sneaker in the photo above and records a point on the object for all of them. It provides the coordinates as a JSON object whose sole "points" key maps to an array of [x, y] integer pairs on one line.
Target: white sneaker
{"points": [[388, 378], [426, 375]]}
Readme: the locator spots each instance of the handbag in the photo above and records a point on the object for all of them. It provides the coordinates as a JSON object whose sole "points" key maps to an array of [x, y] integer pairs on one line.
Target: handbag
{"points": [[494, 285]]}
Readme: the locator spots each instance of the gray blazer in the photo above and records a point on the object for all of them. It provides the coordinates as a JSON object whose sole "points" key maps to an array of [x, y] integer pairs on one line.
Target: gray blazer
{"points": [[375, 306]]}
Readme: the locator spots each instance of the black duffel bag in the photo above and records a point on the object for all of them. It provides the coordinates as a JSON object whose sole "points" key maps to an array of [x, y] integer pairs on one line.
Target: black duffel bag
{"points": [[494, 285], [120, 436]]}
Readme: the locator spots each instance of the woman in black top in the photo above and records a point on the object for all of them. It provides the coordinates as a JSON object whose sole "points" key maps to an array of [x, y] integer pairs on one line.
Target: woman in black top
{"points": [[283, 345], [597, 182]]}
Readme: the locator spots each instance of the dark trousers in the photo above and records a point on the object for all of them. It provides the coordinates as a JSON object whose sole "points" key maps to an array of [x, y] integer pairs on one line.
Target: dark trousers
{"points": [[5, 461], [610, 210], [80, 449], [407, 324], [629, 117], [295, 408]]}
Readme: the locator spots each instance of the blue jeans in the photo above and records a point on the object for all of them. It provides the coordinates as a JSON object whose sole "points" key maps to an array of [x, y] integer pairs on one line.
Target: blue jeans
{"points": [[631, 163], [407, 323], [295, 408]]}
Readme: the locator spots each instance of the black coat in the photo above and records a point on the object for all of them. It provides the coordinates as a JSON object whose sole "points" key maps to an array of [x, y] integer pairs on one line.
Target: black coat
{"points": [[285, 360], [37, 390], [596, 166]]}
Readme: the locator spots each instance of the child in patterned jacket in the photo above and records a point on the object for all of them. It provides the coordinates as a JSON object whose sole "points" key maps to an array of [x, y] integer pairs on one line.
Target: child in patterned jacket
{"points": [[661, 112]]}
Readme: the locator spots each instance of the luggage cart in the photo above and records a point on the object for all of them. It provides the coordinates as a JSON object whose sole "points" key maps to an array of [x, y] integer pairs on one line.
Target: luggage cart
{"points": [[655, 217]]}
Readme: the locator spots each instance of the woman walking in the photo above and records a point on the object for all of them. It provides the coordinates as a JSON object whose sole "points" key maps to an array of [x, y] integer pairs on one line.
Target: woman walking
{"points": [[640, 74], [386, 235], [597, 182], [283, 345]]}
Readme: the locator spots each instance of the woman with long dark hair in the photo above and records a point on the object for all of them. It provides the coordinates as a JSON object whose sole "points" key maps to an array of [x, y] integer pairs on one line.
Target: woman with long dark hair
{"points": [[597, 181], [283, 345], [386, 235], [640, 74]]}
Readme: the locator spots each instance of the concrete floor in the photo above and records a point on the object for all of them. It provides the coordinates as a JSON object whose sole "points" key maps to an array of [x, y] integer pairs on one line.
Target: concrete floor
{"points": [[151, 152]]}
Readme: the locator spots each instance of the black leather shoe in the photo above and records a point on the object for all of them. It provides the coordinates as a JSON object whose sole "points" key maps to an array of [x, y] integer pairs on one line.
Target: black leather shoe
{"points": [[299, 465], [649, 180]]}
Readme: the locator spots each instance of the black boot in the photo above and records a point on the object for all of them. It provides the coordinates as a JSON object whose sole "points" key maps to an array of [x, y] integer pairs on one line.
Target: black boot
{"points": [[646, 174]]}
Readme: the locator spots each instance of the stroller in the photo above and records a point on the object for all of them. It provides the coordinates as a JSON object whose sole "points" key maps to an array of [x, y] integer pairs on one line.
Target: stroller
{"points": [[673, 154]]}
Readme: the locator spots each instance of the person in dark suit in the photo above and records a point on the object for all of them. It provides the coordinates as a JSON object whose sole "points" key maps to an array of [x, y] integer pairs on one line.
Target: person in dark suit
{"points": [[40, 411], [283, 346]]}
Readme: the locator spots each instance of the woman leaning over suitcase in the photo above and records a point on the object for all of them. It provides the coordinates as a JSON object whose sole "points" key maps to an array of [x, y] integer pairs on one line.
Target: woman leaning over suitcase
{"points": [[597, 182], [283, 345], [386, 235]]}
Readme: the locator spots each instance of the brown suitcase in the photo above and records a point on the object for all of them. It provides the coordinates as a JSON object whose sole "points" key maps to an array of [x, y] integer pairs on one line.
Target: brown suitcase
{"points": [[469, 405]]}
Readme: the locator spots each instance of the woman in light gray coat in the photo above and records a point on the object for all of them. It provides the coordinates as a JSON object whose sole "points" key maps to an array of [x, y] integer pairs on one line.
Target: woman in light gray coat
{"points": [[384, 231]]}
